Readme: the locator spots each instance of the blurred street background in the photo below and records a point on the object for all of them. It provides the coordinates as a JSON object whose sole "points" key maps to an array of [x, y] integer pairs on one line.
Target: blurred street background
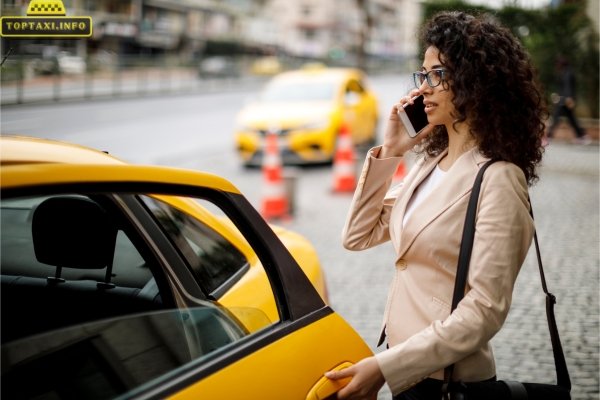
{"points": [[141, 47], [161, 82]]}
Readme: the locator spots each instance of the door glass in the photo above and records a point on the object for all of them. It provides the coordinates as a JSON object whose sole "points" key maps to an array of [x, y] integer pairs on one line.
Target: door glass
{"points": [[104, 359], [221, 259], [213, 259]]}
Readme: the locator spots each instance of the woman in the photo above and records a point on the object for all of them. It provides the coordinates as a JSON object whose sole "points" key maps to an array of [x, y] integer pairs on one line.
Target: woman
{"points": [[482, 103]]}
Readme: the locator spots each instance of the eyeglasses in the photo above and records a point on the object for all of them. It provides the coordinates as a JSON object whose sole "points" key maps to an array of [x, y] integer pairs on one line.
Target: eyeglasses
{"points": [[433, 77]]}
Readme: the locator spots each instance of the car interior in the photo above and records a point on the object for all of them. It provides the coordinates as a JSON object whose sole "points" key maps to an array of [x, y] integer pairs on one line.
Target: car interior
{"points": [[67, 232]]}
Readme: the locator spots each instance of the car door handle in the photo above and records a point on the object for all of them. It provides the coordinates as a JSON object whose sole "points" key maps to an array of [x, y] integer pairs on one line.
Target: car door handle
{"points": [[325, 387]]}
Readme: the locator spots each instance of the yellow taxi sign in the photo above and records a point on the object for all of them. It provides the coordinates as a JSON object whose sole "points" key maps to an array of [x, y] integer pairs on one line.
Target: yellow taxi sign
{"points": [[46, 7], [46, 19]]}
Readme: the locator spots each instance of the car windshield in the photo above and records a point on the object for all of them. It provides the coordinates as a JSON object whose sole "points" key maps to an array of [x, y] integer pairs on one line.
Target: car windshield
{"points": [[298, 91]]}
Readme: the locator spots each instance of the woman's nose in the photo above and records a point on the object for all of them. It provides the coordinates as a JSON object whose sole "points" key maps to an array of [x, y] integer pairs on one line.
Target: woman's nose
{"points": [[424, 86]]}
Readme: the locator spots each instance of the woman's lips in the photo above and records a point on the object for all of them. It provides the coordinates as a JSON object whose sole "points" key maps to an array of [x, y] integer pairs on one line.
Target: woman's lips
{"points": [[429, 106]]}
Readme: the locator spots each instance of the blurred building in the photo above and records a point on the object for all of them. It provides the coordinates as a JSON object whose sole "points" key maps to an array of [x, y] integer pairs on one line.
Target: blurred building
{"points": [[314, 28], [192, 28]]}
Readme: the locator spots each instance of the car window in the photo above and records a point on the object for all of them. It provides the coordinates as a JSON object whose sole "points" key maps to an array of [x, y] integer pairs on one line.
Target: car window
{"points": [[18, 252], [112, 357], [215, 262], [355, 86]]}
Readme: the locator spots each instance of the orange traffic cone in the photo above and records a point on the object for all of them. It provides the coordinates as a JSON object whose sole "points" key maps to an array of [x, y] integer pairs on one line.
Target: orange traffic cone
{"points": [[344, 167], [274, 202], [400, 173]]}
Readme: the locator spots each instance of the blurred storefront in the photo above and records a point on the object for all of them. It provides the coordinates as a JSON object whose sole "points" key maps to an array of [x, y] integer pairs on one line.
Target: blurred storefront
{"points": [[186, 28]]}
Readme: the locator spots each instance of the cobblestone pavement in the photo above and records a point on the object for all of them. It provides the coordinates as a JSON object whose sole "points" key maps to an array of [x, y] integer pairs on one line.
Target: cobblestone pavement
{"points": [[566, 208]]}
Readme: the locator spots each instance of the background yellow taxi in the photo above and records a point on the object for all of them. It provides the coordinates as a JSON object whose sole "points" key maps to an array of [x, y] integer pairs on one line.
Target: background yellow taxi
{"points": [[268, 65], [306, 108], [125, 281]]}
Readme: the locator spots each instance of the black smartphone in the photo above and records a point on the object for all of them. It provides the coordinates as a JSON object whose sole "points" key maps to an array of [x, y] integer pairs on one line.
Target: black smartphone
{"points": [[414, 117]]}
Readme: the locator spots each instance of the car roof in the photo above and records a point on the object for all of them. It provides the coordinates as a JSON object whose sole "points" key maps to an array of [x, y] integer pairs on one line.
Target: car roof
{"points": [[28, 161], [29, 150]]}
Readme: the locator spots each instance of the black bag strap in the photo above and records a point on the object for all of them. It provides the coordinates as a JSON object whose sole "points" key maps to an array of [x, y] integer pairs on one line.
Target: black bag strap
{"points": [[466, 244], [562, 373], [464, 258]]}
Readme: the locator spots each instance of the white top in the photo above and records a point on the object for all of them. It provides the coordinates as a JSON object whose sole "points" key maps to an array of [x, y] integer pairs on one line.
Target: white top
{"points": [[423, 190]]}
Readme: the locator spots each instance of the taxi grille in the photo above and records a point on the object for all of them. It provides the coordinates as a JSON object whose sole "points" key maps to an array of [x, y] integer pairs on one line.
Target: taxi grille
{"points": [[280, 132]]}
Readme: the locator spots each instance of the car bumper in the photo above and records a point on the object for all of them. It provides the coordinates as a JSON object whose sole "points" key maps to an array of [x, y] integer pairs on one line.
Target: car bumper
{"points": [[288, 157], [297, 149]]}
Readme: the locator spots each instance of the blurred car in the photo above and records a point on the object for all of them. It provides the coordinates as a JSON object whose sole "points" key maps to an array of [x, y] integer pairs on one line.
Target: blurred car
{"points": [[152, 282], [266, 66], [70, 64], [44, 66], [306, 108], [218, 67]]}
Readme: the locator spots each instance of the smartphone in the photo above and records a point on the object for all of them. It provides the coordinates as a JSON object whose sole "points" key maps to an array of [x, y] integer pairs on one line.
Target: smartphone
{"points": [[414, 117]]}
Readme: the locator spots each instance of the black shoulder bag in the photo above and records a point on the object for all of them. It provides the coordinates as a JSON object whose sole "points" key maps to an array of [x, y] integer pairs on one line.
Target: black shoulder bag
{"points": [[492, 390]]}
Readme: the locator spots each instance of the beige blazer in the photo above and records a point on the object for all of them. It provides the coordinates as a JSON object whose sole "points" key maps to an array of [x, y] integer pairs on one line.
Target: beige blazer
{"points": [[422, 335]]}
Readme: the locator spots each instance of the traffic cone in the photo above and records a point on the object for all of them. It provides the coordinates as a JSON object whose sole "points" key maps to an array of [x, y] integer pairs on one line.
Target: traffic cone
{"points": [[344, 167], [400, 173], [274, 201]]}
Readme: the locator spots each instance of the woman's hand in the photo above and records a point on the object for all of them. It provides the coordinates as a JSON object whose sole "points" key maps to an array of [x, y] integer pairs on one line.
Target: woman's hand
{"points": [[396, 141], [366, 381]]}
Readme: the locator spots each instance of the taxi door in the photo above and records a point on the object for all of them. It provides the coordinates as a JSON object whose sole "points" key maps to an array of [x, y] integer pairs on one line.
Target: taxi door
{"points": [[285, 359]]}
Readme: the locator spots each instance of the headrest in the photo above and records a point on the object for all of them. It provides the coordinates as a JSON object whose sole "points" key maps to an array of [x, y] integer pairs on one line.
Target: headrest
{"points": [[73, 232]]}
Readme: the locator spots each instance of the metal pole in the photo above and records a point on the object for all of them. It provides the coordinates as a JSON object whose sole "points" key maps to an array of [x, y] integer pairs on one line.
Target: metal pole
{"points": [[56, 86], [20, 78]]}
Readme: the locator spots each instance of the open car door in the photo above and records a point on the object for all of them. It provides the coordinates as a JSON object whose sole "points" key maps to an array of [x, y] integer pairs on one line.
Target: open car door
{"points": [[107, 292]]}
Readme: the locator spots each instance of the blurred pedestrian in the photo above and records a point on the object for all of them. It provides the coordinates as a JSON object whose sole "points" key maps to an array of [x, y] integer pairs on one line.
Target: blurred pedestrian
{"points": [[564, 101], [482, 102]]}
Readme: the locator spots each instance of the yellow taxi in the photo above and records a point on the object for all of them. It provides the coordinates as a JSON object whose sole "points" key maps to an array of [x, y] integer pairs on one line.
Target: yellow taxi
{"points": [[268, 65], [142, 282], [306, 109]]}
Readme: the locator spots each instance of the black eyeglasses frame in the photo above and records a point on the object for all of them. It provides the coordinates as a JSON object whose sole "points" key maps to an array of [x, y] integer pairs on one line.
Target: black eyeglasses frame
{"points": [[420, 77]]}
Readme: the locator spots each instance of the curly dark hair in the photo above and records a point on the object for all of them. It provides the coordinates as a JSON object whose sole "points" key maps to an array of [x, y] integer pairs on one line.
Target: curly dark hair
{"points": [[495, 87]]}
